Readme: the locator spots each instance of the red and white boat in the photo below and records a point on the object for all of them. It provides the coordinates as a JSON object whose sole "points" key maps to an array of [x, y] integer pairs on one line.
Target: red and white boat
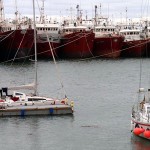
{"points": [[107, 43], [16, 44], [48, 37], [76, 42], [48, 40], [140, 117], [134, 45]]}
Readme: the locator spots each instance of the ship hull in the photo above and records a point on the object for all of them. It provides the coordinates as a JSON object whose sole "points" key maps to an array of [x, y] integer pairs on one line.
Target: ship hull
{"points": [[133, 48], [77, 45], [45, 48], [16, 44], [108, 47], [137, 124], [147, 49]]}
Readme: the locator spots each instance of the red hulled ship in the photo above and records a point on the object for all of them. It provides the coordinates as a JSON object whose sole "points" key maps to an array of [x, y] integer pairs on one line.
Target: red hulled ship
{"points": [[45, 48], [76, 42], [133, 48], [48, 40], [16, 44], [107, 44], [134, 44]]}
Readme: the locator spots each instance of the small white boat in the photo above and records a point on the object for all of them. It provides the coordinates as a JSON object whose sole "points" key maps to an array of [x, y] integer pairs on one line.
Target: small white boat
{"points": [[140, 117], [20, 104]]}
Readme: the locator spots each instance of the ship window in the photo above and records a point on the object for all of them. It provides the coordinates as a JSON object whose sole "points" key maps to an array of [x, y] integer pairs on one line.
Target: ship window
{"points": [[18, 94], [148, 109], [36, 99], [131, 33], [105, 29]]}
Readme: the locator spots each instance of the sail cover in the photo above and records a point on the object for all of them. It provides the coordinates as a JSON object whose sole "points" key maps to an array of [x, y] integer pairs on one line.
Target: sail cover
{"points": [[25, 87]]}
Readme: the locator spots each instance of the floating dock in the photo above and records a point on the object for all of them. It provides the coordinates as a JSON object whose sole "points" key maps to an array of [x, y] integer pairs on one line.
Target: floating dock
{"points": [[19, 109]]}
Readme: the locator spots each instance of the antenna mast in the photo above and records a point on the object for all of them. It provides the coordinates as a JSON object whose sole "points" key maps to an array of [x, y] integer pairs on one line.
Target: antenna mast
{"points": [[1, 11], [42, 17]]}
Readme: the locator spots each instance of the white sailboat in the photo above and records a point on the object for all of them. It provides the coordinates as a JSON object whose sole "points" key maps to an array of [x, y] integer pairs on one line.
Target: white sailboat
{"points": [[140, 116], [20, 104]]}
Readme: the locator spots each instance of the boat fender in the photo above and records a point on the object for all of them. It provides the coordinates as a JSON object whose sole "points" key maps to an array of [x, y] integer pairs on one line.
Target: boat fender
{"points": [[72, 104], [137, 131], [147, 134]]}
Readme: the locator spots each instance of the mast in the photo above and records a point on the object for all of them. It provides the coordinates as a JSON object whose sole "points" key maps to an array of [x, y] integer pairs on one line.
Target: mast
{"points": [[42, 17], [35, 58], [95, 14], [1, 11], [126, 15], [16, 14]]}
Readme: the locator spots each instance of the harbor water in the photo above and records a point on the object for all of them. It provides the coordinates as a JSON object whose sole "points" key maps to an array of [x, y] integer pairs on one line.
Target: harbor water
{"points": [[103, 92]]}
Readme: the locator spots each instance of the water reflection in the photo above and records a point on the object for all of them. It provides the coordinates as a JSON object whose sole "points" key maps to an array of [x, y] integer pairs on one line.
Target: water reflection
{"points": [[139, 143]]}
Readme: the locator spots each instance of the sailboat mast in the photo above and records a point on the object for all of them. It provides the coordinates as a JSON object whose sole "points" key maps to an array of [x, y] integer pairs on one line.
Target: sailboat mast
{"points": [[35, 49]]}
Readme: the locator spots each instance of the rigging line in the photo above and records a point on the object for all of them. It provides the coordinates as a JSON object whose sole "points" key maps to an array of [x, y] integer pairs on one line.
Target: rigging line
{"points": [[111, 46], [61, 45], [59, 76], [98, 56], [38, 6], [7, 35], [18, 47], [88, 44]]}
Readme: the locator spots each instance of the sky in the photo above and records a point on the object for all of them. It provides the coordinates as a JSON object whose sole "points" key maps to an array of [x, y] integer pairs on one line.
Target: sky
{"points": [[109, 8]]}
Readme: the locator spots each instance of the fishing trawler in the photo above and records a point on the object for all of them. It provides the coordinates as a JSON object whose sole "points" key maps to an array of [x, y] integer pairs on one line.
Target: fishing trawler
{"points": [[107, 42], [47, 31], [76, 39], [134, 43]]}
